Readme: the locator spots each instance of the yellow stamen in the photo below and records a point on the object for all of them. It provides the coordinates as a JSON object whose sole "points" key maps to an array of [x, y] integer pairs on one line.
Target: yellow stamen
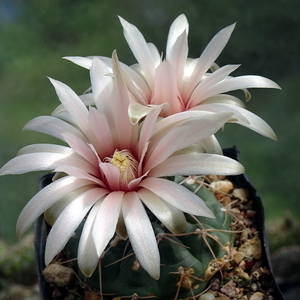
{"points": [[127, 165], [120, 160]]}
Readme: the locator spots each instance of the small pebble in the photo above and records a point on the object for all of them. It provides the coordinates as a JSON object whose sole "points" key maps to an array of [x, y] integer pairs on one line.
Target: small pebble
{"points": [[207, 296], [58, 274], [257, 296]]}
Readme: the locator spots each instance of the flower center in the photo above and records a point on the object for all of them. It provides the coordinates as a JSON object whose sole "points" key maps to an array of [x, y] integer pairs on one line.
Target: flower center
{"points": [[127, 165]]}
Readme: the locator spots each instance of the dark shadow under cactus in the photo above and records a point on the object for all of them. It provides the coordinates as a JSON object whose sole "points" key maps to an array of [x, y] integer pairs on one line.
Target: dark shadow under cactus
{"points": [[183, 269]]}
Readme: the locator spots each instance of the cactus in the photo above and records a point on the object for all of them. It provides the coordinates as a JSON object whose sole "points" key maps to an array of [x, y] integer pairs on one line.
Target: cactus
{"points": [[188, 260]]}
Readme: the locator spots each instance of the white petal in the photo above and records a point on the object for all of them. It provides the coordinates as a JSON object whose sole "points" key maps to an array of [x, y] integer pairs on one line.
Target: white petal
{"points": [[46, 148], [87, 255], [72, 103], [43, 161], [84, 62], [178, 196], [32, 162], [197, 164], [141, 234], [106, 220], [207, 58], [200, 92], [179, 25], [170, 143], [254, 122], [87, 99], [99, 78], [68, 221], [52, 126], [45, 198], [170, 216], [178, 56], [140, 49], [239, 83]]}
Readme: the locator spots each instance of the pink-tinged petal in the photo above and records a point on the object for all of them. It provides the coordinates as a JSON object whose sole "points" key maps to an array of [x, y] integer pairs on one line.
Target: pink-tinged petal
{"points": [[99, 78], [88, 258], [197, 164], [80, 173], [147, 131], [81, 148], [211, 145], [52, 213], [179, 26], [133, 184], [87, 99], [136, 83], [44, 161], [236, 83], [169, 215], [46, 148], [103, 132], [254, 122], [141, 234], [137, 111], [178, 57], [120, 102], [32, 162], [139, 49], [45, 198], [155, 54], [72, 103], [210, 81], [165, 88], [84, 62], [53, 126], [170, 143], [68, 221], [111, 174], [226, 99], [209, 123], [236, 116], [106, 220], [207, 58], [178, 196]]}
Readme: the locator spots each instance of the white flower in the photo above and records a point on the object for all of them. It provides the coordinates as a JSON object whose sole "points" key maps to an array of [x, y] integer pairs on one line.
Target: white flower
{"points": [[185, 84], [111, 168]]}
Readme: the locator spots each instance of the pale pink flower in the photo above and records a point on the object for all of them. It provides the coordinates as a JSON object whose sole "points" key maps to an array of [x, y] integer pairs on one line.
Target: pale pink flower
{"points": [[184, 83], [111, 168]]}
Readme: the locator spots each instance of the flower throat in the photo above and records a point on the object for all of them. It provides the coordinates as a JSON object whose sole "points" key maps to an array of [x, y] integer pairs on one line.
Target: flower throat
{"points": [[127, 165]]}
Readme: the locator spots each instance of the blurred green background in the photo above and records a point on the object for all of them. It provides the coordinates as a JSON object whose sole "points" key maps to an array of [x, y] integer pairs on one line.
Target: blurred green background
{"points": [[35, 34]]}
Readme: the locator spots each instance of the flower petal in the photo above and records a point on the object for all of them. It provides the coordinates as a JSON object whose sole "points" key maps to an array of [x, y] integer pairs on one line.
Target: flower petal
{"points": [[72, 103], [68, 221], [52, 126], [141, 234], [45, 198], [255, 123], [207, 58], [197, 164], [235, 83], [170, 216], [210, 81], [178, 196], [179, 26], [88, 258], [140, 49], [106, 220]]}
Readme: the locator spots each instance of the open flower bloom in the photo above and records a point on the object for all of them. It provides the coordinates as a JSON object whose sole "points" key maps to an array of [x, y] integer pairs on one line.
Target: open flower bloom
{"points": [[111, 169], [184, 83]]}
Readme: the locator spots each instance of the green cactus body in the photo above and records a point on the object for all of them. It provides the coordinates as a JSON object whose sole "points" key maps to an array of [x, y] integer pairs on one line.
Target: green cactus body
{"points": [[185, 258]]}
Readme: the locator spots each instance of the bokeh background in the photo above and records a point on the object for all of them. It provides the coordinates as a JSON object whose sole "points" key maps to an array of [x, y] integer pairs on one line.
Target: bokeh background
{"points": [[36, 34]]}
